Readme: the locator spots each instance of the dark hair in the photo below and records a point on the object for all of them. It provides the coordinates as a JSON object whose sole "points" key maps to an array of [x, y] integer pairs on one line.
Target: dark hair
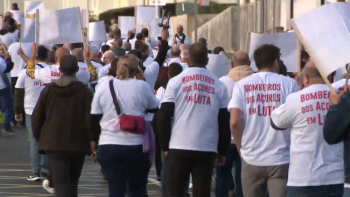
{"points": [[119, 42], [42, 53], [282, 69], [174, 69], [107, 28], [113, 69], [266, 55], [15, 6], [175, 52], [144, 48], [136, 53], [105, 48], [217, 50], [118, 33], [198, 54], [138, 45], [69, 64], [144, 31], [303, 55], [203, 41], [77, 45], [51, 57], [139, 36]]}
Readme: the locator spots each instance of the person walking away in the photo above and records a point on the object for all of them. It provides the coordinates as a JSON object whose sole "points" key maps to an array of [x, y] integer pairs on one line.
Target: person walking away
{"points": [[122, 154], [264, 151], [26, 95], [304, 112], [60, 124], [6, 101], [199, 99], [108, 57], [240, 64]]}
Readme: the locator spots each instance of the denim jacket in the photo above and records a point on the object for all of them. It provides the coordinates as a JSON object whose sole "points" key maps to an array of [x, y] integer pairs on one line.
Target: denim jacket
{"points": [[337, 129]]}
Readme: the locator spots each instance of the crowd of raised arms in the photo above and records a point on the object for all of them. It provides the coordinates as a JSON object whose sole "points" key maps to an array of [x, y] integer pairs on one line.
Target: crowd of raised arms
{"points": [[134, 102]]}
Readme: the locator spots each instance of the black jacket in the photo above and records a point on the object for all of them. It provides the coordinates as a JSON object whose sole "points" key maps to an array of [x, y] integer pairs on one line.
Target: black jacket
{"points": [[337, 129], [60, 120]]}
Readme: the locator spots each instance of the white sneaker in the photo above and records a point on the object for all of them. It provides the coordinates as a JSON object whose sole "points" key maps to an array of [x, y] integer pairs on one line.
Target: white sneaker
{"points": [[47, 187], [190, 186]]}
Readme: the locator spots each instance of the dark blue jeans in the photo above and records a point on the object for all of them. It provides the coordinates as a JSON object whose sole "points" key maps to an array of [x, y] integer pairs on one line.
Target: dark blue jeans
{"points": [[224, 174], [7, 106], [346, 192], [316, 191], [124, 166]]}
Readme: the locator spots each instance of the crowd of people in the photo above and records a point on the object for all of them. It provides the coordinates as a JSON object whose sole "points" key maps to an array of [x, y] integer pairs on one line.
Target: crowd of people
{"points": [[127, 105]]}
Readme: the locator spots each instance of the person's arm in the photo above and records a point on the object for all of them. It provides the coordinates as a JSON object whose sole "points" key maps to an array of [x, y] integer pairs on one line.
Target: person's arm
{"points": [[18, 98], [23, 56], [187, 41], [95, 117], [151, 102], [163, 48], [282, 117], [337, 124], [91, 67], [39, 115]]}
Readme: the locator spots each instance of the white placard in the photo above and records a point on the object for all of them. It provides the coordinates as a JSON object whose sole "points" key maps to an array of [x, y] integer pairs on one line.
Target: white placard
{"points": [[126, 23], [31, 6], [27, 30], [84, 18], [218, 64], [144, 14], [157, 2], [97, 31], [287, 42], [325, 34], [59, 26]]}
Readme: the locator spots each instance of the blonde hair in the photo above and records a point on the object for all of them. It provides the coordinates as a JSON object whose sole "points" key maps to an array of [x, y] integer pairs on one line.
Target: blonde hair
{"points": [[125, 65]]}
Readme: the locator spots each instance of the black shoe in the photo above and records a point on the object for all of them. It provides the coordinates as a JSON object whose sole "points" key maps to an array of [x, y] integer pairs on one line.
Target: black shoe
{"points": [[158, 179], [34, 177], [44, 175], [9, 132]]}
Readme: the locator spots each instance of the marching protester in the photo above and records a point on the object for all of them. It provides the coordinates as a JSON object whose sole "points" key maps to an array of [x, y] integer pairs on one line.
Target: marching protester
{"points": [[304, 112], [111, 73], [26, 95], [180, 37], [184, 59], [8, 32], [6, 65], [240, 69], [121, 151], [117, 47], [175, 55], [60, 124], [194, 91], [108, 57], [264, 151], [149, 41], [17, 14]]}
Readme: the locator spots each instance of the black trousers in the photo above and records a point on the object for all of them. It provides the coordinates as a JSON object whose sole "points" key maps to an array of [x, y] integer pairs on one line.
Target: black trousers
{"points": [[180, 164], [66, 168]]}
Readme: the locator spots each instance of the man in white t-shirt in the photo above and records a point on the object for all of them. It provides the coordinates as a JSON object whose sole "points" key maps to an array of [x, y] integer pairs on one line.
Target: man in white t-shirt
{"points": [[197, 100], [19, 64], [264, 151], [180, 37], [240, 62], [82, 74], [52, 72], [26, 95], [108, 57], [316, 168], [175, 54]]}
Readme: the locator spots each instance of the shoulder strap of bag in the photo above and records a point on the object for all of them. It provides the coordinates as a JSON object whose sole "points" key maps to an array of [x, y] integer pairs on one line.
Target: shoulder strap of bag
{"points": [[115, 101], [183, 39], [41, 66]]}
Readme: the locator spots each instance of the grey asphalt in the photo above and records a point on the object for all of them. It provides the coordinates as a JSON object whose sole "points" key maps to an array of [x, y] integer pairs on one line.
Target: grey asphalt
{"points": [[15, 168]]}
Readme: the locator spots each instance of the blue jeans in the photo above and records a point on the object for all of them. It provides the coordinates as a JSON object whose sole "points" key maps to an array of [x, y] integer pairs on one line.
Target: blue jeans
{"points": [[346, 192], [164, 176], [224, 174], [125, 165], [7, 106], [39, 161], [316, 191]]}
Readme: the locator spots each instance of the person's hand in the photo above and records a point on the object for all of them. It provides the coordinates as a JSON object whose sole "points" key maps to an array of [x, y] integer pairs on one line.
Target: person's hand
{"points": [[220, 161], [34, 49], [7, 56], [165, 34], [174, 40], [19, 117], [19, 51], [134, 30], [334, 98], [166, 153], [86, 52], [93, 151], [149, 39]]}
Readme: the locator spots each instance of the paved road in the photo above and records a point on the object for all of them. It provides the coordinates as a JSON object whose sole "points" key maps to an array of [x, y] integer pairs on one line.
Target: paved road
{"points": [[15, 167]]}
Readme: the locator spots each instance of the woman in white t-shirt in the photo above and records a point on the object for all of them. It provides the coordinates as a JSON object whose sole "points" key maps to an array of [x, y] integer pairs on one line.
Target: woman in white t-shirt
{"points": [[120, 153]]}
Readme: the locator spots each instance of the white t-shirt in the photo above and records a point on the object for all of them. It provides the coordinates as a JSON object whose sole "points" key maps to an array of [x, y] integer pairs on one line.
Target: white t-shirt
{"points": [[32, 89], [148, 61], [184, 66], [103, 71], [198, 96], [229, 83], [154, 42], [160, 94], [98, 66], [174, 60], [178, 40], [105, 78], [312, 161], [257, 96], [17, 60], [9, 38], [51, 73], [134, 97], [151, 74], [17, 15], [339, 84]]}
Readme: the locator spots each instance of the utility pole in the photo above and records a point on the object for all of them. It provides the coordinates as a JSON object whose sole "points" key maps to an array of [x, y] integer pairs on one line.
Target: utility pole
{"points": [[273, 16], [195, 20]]}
